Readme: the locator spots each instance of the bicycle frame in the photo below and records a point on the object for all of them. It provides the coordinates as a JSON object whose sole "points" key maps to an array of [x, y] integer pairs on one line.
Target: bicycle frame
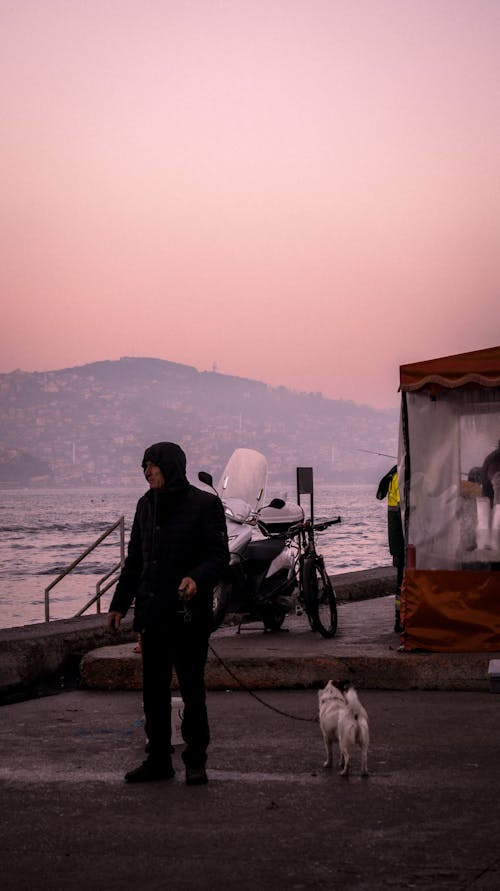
{"points": [[301, 537]]}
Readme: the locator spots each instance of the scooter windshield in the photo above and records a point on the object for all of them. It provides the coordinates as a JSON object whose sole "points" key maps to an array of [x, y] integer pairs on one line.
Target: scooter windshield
{"points": [[244, 477]]}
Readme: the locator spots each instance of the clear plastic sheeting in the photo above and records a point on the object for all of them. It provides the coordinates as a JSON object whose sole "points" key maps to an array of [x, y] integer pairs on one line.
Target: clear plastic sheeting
{"points": [[452, 499]]}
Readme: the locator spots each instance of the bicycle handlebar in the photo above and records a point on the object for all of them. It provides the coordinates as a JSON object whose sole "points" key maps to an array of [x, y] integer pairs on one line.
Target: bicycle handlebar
{"points": [[297, 528], [317, 527]]}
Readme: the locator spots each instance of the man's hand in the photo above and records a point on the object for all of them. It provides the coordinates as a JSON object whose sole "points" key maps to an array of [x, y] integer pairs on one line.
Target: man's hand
{"points": [[113, 621], [187, 588]]}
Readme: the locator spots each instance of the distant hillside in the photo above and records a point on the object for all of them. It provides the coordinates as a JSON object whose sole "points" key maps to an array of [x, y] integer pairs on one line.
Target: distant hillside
{"points": [[90, 424]]}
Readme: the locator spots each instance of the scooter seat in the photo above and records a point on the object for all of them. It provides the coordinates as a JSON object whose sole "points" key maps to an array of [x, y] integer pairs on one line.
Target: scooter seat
{"points": [[264, 551]]}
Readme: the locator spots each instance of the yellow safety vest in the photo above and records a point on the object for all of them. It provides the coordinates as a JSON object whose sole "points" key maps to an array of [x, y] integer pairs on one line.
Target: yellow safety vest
{"points": [[393, 493]]}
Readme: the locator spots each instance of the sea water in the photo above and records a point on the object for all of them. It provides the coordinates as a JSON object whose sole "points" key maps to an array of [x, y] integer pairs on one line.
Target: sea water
{"points": [[42, 531]]}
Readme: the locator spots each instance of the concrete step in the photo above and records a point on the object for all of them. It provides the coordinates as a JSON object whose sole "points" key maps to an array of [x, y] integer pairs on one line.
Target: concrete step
{"points": [[365, 651]]}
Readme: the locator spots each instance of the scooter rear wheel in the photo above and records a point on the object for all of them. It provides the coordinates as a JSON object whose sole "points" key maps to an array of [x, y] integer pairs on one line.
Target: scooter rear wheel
{"points": [[319, 598], [273, 618]]}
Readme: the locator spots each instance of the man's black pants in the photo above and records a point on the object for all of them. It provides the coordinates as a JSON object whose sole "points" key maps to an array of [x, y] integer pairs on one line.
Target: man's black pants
{"points": [[182, 646]]}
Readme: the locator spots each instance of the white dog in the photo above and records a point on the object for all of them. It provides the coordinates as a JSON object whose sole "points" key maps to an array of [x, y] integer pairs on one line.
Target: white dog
{"points": [[343, 718]]}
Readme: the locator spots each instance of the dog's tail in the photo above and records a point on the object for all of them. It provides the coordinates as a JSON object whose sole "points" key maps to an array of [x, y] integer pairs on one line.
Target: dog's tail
{"points": [[353, 703], [358, 730]]}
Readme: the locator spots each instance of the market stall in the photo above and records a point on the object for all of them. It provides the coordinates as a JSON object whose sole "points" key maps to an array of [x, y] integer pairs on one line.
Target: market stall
{"points": [[449, 472]]}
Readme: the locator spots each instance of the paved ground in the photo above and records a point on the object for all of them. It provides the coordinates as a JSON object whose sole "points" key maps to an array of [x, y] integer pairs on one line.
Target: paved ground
{"points": [[271, 816]]}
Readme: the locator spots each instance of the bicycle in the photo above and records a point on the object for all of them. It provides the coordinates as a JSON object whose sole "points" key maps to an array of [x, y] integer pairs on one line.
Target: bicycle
{"points": [[298, 576], [315, 590]]}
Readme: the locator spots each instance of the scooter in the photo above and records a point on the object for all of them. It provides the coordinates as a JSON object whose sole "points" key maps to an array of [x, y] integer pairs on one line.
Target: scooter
{"points": [[261, 580]]}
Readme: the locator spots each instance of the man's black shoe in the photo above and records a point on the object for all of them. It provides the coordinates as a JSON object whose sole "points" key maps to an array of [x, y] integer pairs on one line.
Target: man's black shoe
{"points": [[196, 776], [150, 772]]}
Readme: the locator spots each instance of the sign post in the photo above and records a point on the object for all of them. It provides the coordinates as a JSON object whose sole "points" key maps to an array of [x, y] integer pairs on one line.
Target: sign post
{"points": [[305, 486]]}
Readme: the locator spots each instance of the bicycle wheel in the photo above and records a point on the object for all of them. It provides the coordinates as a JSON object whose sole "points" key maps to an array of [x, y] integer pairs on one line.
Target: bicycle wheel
{"points": [[319, 597], [221, 595]]}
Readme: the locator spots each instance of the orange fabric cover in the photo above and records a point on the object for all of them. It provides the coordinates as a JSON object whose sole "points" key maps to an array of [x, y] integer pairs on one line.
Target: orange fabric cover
{"points": [[451, 612], [480, 367]]}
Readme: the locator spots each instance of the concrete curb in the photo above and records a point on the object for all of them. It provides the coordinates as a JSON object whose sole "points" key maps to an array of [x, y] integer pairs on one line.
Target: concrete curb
{"points": [[364, 585], [112, 668], [39, 654]]}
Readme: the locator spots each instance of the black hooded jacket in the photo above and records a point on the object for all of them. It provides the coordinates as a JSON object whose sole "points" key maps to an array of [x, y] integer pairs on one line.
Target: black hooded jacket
{"points": [[178, 531]]}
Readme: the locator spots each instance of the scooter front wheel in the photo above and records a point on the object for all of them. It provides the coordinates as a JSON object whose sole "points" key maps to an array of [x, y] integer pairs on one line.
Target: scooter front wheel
{"points": [[221, 595]]}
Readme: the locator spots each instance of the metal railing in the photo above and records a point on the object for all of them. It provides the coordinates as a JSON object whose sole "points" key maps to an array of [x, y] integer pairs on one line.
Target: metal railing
{"points": [[108, 576]]}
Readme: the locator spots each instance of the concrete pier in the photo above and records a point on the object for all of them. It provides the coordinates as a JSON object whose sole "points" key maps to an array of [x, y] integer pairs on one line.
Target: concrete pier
{"points": [[34, 656], [365, 650]]}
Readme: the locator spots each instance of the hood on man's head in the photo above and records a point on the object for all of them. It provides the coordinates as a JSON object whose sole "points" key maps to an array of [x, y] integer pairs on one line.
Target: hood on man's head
{"points": [[171, 460]]}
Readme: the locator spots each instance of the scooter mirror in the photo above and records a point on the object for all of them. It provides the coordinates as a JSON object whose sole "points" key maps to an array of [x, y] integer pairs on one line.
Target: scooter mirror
{"points": [[278, 503], [206, 478]]}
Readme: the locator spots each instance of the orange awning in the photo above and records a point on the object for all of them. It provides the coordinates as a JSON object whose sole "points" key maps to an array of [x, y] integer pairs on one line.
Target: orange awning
{"points": [[451, 612], [481, 367]]}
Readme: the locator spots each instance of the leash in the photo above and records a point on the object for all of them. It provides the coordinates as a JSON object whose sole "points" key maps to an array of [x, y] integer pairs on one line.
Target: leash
{"points": [[254, 695]]}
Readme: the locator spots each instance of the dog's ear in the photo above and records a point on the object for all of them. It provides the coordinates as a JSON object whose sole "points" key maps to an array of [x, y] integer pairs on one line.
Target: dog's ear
{"points": [[343, 686]]}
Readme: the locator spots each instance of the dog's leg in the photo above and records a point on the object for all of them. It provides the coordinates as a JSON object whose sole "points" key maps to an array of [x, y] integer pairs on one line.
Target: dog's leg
{"points": [[345, 761], [364, 761], [363, 740], [328, 750]]}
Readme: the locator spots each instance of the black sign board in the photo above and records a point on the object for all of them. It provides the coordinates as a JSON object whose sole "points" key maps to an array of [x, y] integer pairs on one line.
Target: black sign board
{"points": [[305, 486]]}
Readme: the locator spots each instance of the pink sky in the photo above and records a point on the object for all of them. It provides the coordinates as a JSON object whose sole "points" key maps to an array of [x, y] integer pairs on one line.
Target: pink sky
{"points": [[305, 192]]}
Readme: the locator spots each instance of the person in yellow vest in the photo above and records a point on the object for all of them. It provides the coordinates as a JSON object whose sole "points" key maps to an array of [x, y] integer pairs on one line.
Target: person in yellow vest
{"points": [[388, 488]]}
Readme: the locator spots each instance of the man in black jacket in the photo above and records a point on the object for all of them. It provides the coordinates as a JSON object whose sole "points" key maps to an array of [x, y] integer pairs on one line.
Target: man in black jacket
{"points": [[177, 552]]}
